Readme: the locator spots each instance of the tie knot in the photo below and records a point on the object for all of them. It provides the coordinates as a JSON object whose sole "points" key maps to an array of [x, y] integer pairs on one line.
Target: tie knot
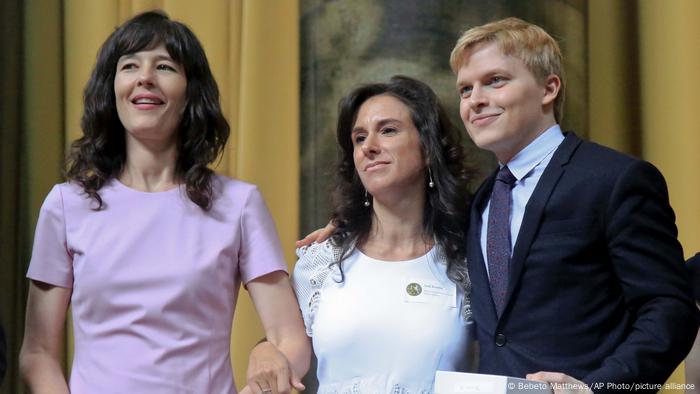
{"points": [[504, 175]]}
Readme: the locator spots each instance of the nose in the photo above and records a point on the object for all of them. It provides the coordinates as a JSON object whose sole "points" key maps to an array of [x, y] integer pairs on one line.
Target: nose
{"points": [[477, 98], [370, 146], [146, 75]]}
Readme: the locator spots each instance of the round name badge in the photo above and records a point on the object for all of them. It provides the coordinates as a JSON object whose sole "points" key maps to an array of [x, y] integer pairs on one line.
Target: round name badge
{"points": [[413, 289]]}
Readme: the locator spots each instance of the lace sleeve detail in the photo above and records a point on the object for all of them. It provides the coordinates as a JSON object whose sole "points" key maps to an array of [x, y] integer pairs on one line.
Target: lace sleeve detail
{"points": [[466, 311], [311, 271]]}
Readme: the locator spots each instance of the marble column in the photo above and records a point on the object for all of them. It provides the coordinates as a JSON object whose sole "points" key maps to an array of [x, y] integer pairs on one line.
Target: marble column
{"points": [[345, 43]]}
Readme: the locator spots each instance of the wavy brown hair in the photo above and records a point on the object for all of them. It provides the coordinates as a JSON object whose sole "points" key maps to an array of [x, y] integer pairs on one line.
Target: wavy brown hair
{"points": [[446, 212], [100, 154]]}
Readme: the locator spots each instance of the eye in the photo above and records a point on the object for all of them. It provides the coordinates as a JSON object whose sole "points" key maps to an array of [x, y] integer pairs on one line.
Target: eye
{"points": [[166, 67], [497, 81], [128, 66], [359, 138], [465, 91], [389, 131]]}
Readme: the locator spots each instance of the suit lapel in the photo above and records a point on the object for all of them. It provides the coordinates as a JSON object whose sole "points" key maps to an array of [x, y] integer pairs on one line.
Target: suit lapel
{"points": [[535, 207], [477, 268]]}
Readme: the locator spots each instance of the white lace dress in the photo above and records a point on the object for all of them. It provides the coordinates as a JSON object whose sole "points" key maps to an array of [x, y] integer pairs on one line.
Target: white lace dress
{"points": [[387, 327]]}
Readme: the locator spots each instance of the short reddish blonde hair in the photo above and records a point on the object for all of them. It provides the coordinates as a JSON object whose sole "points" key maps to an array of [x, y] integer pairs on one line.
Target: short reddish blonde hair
{"points": [[515, 37]]}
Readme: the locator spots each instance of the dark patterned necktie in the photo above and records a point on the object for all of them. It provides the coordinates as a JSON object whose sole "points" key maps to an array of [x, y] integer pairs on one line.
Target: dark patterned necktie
{"points": [[498, 244]]}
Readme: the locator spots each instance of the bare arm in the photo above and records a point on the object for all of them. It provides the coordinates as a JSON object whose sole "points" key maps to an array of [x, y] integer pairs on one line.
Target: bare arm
{"points": [[39, 363], [279, 313]]}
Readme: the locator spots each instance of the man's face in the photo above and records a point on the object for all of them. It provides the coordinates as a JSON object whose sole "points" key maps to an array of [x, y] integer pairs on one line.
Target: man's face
{"points": [[502, 105]]}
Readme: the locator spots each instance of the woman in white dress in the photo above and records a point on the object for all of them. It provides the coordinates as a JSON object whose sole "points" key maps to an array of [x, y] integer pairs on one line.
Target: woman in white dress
{"points": [[386, 298]]}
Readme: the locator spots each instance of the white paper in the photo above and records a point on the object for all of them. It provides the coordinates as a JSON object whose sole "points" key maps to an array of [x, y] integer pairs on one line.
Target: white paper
{"points": [[472, 383]]}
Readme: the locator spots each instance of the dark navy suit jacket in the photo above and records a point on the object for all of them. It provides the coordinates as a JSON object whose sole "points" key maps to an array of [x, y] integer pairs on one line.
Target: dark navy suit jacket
{"points": [[693, 265], [597, 286]]}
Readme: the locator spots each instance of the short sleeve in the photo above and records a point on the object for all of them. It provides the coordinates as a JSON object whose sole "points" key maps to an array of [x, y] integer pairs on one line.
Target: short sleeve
{"points": [[261, 252], [314, 266], [51, 260]]}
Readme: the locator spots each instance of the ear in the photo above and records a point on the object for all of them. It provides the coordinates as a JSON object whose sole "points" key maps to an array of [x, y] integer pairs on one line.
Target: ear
{"points": [[552, 85]]}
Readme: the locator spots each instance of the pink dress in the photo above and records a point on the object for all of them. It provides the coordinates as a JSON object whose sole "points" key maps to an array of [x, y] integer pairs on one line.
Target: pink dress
{"points": [[155, 281]]}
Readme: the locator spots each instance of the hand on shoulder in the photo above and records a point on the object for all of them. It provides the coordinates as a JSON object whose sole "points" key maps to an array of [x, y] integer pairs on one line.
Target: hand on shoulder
{"points": [[317, 236]]}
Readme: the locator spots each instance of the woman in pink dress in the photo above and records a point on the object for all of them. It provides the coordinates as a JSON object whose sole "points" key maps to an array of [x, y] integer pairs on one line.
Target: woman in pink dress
{"points": [[144, 242]]}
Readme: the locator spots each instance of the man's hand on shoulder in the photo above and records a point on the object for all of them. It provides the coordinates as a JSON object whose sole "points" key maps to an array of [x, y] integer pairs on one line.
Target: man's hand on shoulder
{"points": [[317, 236]]}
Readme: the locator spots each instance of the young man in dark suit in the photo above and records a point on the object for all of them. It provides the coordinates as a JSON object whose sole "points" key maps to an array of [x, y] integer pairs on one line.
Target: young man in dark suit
{"points": [[577, 275]]}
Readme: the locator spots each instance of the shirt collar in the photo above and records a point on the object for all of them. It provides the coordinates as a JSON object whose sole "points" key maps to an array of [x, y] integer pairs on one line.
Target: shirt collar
{"points": [[529, 157]]}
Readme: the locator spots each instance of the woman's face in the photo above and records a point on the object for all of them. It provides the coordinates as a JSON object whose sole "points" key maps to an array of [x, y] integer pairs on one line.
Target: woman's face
{"points": [[150, 91], [387, 150]]}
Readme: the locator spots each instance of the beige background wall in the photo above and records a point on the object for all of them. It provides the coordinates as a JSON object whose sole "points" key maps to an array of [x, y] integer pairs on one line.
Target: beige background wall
{"points": [[643, 58]]}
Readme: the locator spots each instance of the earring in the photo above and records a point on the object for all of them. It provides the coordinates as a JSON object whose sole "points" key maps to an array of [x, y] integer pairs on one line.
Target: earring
{"points": [[431, 184], [366, 199]]}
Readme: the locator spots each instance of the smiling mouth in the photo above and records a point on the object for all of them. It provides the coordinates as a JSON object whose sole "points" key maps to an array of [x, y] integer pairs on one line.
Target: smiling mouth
{"points": [[147, 101], [376, 164], [484, 118]]}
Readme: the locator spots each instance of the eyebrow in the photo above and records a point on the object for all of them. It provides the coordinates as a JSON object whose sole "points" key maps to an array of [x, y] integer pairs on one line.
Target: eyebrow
{"points": [[489, 73], [460, 83], [157, 57], [381, 123]]}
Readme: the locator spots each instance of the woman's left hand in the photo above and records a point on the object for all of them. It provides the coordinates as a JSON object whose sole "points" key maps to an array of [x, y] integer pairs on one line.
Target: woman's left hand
{"points": [[269, 372], [282, 360], [561, 383]]}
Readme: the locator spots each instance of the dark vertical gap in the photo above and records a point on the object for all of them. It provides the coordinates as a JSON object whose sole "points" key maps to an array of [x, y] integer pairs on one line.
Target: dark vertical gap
{"points": [[312, 170], [20, 294], [10, 162], [20, 289]]}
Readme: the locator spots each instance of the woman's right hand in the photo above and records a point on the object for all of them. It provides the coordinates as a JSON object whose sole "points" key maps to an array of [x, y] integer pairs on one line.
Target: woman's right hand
{"points": [[269, 372], [317, 236]]}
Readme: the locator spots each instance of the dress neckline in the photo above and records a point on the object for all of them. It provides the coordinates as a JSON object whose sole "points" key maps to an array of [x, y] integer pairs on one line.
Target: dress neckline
{"points": [[121, 185]]}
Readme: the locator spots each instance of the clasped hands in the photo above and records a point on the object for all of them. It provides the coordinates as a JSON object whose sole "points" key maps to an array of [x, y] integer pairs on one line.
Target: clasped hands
{"points": [[269, 372]]}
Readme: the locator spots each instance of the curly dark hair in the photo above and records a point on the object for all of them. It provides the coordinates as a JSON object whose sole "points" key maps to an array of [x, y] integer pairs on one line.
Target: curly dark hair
{"points": [[446, 210], [100, 154]]}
